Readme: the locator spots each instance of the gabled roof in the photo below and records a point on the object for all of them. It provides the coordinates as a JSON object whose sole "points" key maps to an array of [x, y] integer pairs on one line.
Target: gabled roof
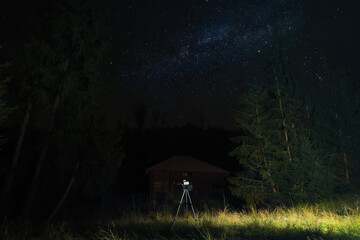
{"points": [[184, 164]]}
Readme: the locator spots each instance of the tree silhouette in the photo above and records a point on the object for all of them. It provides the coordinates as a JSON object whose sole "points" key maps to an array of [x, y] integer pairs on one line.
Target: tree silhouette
{"points": [[70, 67], [4, 113]]}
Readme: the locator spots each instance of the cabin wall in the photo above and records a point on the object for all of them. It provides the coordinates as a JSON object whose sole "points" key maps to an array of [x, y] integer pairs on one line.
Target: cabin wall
{"points": [[169, 183]]}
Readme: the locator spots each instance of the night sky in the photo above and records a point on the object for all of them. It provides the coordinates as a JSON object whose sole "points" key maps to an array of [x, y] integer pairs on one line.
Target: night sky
{"points": [[192, 58]]}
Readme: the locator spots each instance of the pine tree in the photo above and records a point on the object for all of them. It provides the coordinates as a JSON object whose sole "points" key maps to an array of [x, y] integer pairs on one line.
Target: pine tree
{"points": [[338, 119], [269, 175], [313, 172], [255, 183], [272, 119]]}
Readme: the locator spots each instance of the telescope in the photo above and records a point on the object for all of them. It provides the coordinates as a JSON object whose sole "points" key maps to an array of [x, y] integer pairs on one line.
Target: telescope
{"points": [[187, 185]]}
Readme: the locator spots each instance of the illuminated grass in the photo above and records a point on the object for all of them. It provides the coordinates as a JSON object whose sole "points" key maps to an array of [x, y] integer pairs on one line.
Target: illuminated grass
{"points": [[330, 220], [294, 221]]}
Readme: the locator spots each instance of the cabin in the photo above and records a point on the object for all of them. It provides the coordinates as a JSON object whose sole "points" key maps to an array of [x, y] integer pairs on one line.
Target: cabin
{"points": [[166, 177]]}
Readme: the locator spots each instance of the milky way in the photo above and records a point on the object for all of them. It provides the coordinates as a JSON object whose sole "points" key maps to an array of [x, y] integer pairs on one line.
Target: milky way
{"points": [[192, 67]]}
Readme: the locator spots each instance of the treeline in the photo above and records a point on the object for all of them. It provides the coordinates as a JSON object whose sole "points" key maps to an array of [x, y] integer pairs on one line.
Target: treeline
{"points": [[58, 146], [299, 136]]}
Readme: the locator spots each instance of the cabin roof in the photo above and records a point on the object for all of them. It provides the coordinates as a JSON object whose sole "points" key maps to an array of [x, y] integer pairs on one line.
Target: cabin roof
{"points": [[185, 164]]}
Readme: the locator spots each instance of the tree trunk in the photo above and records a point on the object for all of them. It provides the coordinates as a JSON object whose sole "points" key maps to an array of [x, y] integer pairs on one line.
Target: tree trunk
{"points": [[283, 119], [347, 175], [62, 200], [15, 159], [35, 182]]}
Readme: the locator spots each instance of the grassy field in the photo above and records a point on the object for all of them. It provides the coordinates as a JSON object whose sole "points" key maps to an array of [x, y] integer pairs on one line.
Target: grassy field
{"points": [[338, 219]]}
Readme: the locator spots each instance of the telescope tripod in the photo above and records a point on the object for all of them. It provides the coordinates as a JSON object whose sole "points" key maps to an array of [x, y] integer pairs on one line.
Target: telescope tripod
{"points": [[187, 203]]}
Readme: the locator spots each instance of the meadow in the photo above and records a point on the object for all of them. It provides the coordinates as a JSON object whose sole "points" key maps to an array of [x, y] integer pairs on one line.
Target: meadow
{"points": [[332, 219]]}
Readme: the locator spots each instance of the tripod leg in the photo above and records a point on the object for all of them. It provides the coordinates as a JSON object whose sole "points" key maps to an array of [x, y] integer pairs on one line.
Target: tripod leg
{"points": [[187, 204], [177, 212], [192, 208]]}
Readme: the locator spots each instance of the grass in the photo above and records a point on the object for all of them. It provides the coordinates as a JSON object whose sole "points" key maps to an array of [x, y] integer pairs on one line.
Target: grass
{"points": [[338, 219]]}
